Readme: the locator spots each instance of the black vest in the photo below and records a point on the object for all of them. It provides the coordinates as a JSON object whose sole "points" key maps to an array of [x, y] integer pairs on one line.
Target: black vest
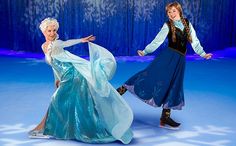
{"points": [[181, 39]]}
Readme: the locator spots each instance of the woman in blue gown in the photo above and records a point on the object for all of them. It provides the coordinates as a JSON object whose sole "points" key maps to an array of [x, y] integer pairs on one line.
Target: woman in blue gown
{"points": [[161, 83], [84, 107]]}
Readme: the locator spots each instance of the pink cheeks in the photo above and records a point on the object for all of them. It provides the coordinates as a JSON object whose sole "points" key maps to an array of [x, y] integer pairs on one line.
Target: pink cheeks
{"points": [[173, 14]]}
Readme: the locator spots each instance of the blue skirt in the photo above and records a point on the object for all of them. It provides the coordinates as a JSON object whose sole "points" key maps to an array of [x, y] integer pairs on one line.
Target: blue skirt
{"points": [[161, 83], [86, 107], [72, 113]]}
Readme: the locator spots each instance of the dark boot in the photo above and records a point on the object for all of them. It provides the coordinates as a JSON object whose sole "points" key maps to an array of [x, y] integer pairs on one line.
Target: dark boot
{"points": [[166, 121], [121, 90]]}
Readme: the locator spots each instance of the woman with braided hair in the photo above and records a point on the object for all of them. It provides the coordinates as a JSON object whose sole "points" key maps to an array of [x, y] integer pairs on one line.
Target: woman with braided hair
{"points": [[161, 83]]}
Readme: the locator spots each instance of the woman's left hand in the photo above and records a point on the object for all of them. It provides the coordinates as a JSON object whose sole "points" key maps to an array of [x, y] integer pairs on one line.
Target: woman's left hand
{"points": [[140, 53], [208, 56], [88, 39]]}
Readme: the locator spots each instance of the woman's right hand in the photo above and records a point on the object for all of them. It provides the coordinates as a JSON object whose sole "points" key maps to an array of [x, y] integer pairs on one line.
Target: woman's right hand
{"points": [[140, 53], [57, 83]]}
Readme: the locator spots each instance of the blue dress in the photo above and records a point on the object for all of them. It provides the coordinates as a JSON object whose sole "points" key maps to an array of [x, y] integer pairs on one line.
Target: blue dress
{"points": [[161, 83], [85, 107]]}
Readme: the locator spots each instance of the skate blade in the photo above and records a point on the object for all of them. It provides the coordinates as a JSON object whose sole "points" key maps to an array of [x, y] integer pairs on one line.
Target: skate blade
{"points": [[169, 127], [39, 137]]}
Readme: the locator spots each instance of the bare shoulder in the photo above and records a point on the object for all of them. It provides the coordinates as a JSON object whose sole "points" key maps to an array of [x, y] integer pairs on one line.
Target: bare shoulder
{"points": [[44, 47]]}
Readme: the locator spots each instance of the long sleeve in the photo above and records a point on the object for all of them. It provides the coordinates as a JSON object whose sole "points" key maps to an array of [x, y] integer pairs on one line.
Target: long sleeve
{"points": [[196, 43], [59, 45], [159, 39], [69, 43]]}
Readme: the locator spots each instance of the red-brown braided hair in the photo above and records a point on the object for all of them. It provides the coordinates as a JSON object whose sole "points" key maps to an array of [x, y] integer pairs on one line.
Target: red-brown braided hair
{"points": [[172, 26]]}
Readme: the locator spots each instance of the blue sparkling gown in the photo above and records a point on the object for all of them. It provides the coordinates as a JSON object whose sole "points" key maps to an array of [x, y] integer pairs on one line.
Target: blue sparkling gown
{"points": [[85, 107]]}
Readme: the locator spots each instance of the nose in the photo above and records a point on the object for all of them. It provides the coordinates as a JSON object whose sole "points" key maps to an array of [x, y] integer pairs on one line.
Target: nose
{"points": [[52, 33]]}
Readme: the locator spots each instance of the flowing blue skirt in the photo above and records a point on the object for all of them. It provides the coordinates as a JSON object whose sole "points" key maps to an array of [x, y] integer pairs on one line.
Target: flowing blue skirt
{"points": [[85, 107], [161, 83]]}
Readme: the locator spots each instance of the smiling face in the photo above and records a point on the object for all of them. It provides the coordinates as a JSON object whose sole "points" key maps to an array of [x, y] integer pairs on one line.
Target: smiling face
{"points": [[50, 33], [173, 13]]}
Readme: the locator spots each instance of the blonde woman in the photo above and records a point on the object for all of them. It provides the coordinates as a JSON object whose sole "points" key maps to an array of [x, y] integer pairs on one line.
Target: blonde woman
{"points": [[84, 107]]}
